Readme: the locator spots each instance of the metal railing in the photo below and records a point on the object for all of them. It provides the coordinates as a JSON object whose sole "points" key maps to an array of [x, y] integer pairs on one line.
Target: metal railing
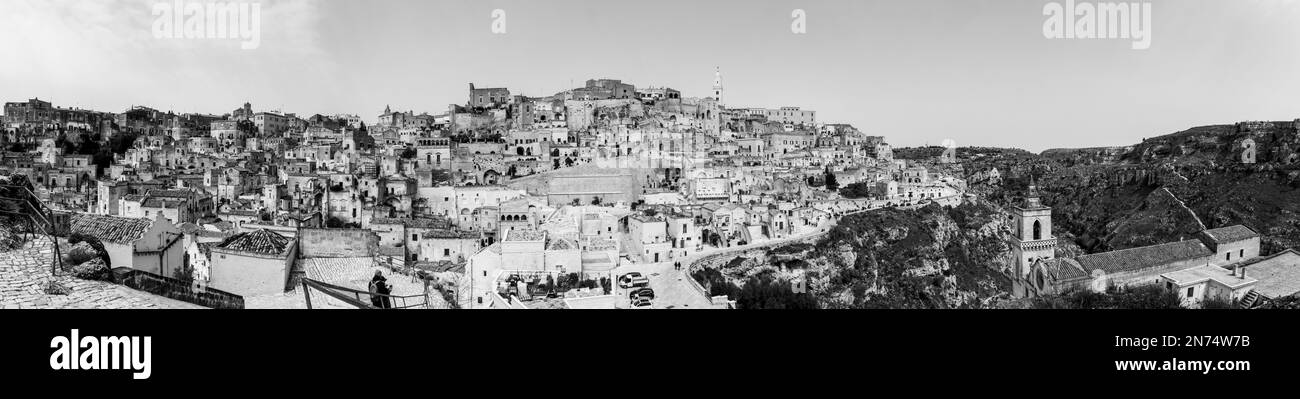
{"points": [[354, 297]]}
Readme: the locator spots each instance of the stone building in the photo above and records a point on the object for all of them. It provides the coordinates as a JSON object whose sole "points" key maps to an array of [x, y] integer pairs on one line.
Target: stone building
{"points": [[488, 97], [253, 263], [150, 245]]}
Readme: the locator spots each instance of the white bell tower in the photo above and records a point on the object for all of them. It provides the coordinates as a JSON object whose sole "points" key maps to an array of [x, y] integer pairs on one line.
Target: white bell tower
{"points": [[717, 84], [1032, 238]]}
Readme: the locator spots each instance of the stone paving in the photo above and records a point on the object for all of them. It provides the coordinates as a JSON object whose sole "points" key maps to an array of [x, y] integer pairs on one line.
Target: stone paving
{"points": [[25, 272]]}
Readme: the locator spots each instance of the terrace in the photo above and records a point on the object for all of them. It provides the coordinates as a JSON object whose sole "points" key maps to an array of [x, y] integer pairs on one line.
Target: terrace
{"points": [[548, 290]]}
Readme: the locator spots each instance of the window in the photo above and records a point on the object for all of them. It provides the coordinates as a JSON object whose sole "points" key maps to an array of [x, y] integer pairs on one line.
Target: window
{"points": [[1241, 253], [1191, 291], [1228, 256], [446, 252], [415, 237], [1038, 230]]}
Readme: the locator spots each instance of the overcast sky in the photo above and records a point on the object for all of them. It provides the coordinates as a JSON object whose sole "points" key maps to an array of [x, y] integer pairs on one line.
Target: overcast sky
{"points": [[976, 71]]}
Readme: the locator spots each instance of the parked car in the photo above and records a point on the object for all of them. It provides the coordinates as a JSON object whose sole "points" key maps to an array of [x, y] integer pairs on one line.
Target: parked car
{"points": [[641, 293], [642, 302], [633, 280], [640, 282]]}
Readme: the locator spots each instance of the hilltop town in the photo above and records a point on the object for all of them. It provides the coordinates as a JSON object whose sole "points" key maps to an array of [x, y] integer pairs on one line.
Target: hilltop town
{"points": [[605, 196], [505, 200]]}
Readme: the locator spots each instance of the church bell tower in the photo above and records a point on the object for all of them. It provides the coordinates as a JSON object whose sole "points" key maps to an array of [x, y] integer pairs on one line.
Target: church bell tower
{"points": [[717, 84], [1032, 238]]}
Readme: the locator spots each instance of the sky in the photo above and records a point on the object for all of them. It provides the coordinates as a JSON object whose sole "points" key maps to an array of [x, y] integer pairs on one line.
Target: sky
{"points": [[979, 72]]}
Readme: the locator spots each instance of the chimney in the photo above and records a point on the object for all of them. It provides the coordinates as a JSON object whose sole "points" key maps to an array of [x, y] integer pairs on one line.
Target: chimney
{"points": [[1243, 272]]}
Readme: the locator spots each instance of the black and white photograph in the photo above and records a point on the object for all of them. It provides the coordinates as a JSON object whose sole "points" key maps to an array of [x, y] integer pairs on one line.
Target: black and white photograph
{"points": [[1115, 166]]}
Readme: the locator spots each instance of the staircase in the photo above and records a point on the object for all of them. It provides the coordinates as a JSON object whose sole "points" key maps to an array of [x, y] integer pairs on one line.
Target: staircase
{"points": [[1251, 300], [17, 199]]}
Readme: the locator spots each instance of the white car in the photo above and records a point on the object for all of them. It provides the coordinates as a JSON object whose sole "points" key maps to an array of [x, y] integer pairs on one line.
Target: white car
{"points": [[633, 280]]}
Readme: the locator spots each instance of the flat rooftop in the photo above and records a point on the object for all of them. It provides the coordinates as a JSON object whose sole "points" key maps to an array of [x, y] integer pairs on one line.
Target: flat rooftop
{"points": [[1278, 274], [1209, 272]]}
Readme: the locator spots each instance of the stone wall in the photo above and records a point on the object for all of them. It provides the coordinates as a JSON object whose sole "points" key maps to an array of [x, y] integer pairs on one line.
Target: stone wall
{"points": [[177, 289], [337, 243]]}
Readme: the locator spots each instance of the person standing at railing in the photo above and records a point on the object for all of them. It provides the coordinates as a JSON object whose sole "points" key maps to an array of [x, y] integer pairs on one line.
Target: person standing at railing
{"points": [[379, 289]]}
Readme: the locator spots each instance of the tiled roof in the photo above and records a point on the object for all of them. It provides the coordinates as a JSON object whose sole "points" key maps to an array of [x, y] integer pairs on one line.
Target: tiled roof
{"points": [[238, 212], [224, 226], [525, 235], [1064, 269], [602, 244], [561, 244], [1144, 257], [262, 241], [451, 233], [112, 229], [388, 221], [206, 248], [163, 202], [1230, 234], [189, 228], [441, 266], [182, 193], [422, 222]]}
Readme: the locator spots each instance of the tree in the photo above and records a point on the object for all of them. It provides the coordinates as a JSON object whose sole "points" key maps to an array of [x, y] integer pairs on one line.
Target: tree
{"points": [[831, 184], [857, 190], [568, 162], [595, 200], [1149, 296], [121, 142], [334, 222], [563, 283]]}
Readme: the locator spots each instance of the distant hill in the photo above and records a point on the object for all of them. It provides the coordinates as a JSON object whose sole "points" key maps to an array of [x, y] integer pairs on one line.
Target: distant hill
{"points": [[1119, 197]]}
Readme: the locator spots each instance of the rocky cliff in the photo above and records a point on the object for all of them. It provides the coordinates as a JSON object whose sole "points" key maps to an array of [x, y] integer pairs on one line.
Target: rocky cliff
{"points": [[934, 257]]}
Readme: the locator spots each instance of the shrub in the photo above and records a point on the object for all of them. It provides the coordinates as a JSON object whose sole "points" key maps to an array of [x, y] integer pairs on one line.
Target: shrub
{"points": [[1219, 303], [80, 253], [77, 238]]}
